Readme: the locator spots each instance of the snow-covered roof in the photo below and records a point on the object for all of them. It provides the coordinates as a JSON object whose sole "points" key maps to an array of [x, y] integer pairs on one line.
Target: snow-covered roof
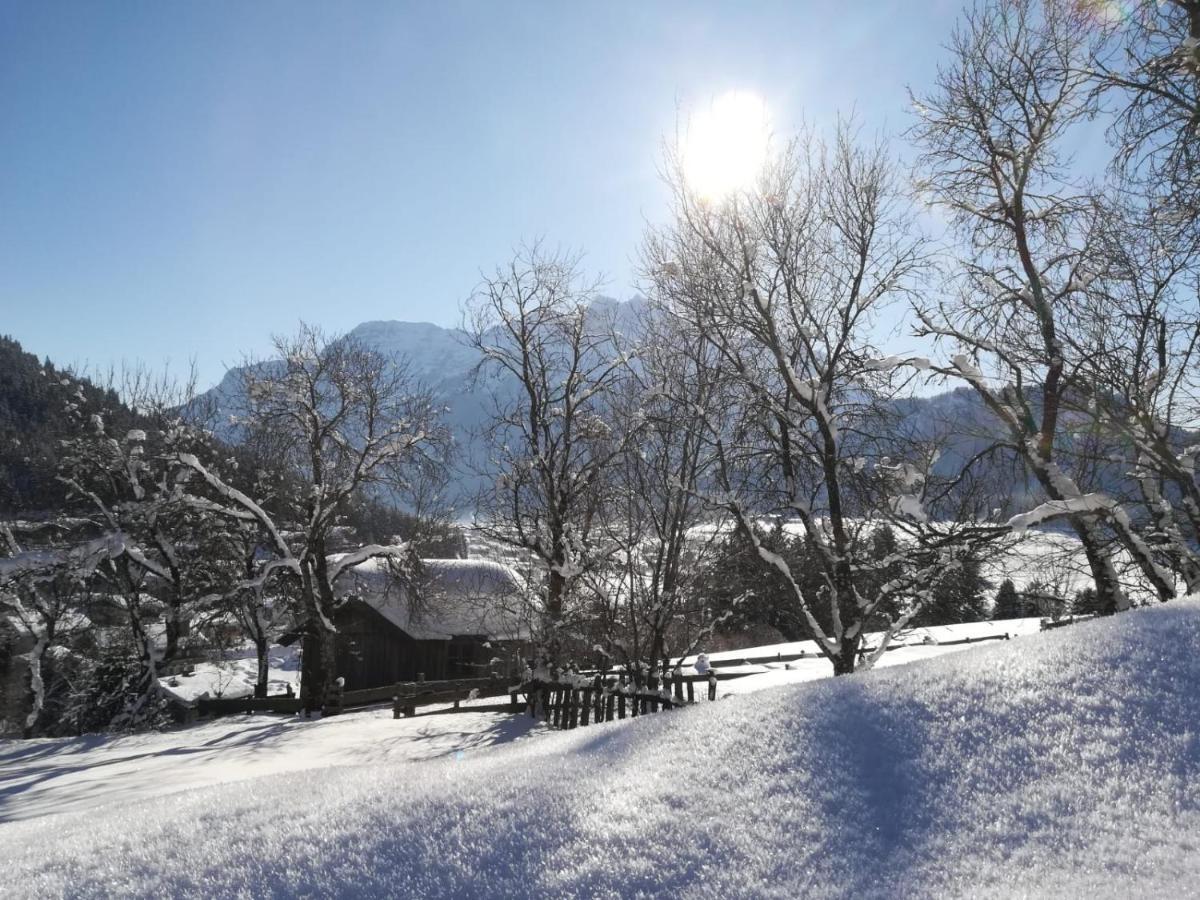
{"points": [[446, 597]]}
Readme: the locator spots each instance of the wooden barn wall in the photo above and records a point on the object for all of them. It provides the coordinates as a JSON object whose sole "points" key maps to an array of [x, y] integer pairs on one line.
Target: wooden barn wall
{"points": [[372, 652]]}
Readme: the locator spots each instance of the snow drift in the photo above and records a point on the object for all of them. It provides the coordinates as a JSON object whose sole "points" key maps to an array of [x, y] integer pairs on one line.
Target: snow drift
{"points": [[1062, 764]]}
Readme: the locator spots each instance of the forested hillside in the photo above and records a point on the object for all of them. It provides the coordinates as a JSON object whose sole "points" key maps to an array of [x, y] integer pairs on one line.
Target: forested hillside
{"points": [[40, 405]]}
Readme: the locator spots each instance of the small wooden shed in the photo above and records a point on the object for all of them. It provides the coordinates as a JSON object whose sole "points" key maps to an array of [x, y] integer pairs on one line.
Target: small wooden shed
{"points": [[452, 620]]}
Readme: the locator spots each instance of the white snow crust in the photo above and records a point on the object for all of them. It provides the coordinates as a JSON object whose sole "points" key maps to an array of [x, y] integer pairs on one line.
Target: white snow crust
{"points": [[1060, 764]]}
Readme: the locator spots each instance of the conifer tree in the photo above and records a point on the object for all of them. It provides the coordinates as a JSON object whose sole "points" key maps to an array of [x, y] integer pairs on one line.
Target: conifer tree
{"points": [[956, 598], [1008, 604]]}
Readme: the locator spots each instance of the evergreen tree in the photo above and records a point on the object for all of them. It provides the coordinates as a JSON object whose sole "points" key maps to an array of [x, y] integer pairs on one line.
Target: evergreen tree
{"points": [[1087, 603], [883, 546], [957, 598], [1008, 603]]}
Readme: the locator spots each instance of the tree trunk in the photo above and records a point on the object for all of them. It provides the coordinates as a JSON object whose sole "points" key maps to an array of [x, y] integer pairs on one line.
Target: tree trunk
{"points": [[1108, 588], [846, 657], [173, 633], [314, 676], [1109, 595], [556, 587], [264, 667], [37, 687], [320, 657]]}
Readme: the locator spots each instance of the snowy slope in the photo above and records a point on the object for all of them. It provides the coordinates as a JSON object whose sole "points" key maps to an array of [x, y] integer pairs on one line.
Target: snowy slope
{"points": [[236, 674], [82, 775], [1061, 764], [912, 645]]}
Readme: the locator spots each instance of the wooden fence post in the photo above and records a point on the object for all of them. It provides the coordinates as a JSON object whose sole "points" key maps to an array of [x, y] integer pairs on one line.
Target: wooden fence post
{"points": [[677, 678], [598, 698], [585, 708], [712, 685], [691, 689], [573, 707]]}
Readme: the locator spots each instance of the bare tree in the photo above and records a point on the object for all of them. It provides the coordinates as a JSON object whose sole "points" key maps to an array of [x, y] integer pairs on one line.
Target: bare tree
{"points": [[555, 361], [1149, 64], [786, 282], [648, 594], [150, 549], [1140, 347], [993, 135], [44, 591], [341, 420]]}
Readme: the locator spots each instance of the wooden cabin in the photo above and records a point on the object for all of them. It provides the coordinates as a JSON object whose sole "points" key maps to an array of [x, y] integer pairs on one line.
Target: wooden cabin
{"points": [[458, 618]]}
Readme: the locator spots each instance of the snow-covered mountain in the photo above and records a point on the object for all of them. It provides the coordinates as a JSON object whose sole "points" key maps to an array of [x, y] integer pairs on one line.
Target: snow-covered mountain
{"points": [[442, 360]]}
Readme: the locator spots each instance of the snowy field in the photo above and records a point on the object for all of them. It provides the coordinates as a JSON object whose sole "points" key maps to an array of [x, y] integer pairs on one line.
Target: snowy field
{"points": [[1059, 764], [911, 646], [235, 675], [44, 777]]}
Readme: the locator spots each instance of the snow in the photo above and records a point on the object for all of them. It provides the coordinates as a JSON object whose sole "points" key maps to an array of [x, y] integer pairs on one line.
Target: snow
{"points": [[236, 675], [1061, 764], [462, 596], [912, 645], [1053, 509], [41, 778]]}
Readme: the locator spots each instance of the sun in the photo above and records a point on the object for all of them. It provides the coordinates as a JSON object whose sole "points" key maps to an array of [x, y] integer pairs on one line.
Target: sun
{"points": [[725, 146]]}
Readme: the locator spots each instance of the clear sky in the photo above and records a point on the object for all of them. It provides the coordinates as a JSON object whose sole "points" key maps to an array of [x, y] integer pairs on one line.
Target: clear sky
{"points": [[180, 180]]}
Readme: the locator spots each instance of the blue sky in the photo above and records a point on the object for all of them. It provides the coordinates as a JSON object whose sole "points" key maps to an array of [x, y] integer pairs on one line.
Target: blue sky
{"points": [[180, 180]]}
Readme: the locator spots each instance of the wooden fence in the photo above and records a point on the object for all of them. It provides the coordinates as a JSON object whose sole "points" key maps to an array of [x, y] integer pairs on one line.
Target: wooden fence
{"points": [[815, 654], [404, 697], [576, 702], [581, 698], [1050, 624]]}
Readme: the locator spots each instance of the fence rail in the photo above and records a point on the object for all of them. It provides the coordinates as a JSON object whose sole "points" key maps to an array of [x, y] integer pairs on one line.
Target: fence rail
{"points": [[608, 694], [816, 654], [406, 695], [1049, 624]]}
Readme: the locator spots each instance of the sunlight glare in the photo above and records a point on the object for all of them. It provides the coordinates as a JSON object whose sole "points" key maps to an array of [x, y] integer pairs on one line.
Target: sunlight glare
{"points": [[725, 146]]}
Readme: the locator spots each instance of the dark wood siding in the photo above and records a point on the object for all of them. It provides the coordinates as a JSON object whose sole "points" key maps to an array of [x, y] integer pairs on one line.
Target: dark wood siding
{"points": [[372, 652]]}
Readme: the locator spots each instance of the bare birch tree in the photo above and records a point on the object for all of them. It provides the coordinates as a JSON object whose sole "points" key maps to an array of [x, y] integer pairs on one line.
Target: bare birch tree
{"points": [[1140, 347], [650, 589]]}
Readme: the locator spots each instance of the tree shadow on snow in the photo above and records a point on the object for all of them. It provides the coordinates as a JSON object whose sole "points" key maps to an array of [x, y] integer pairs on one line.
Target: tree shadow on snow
{"points": [[434, 739], [26, 770]]}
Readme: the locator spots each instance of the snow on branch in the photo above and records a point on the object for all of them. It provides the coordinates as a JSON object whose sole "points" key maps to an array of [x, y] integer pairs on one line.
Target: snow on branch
{"points": [[1055, 509], [232, 493], [338, 565], [887, 363]]}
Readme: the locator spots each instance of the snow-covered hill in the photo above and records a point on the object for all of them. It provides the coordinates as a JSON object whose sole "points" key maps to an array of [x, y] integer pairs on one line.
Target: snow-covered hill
{"points": [[1060, 764]]}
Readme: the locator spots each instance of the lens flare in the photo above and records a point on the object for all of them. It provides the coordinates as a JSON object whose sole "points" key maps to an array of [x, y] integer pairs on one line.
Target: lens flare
{"points": [[1107, 13]]}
